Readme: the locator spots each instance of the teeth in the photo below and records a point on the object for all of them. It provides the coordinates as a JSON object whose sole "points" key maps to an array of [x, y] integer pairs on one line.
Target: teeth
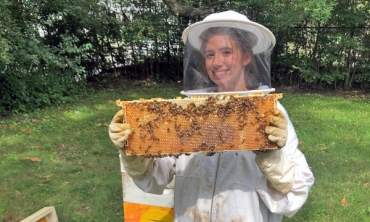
{"points": [[219, 73]]}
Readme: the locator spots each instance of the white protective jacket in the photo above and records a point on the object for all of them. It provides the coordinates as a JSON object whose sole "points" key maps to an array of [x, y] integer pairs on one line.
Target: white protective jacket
{"points": [[229, 186]]}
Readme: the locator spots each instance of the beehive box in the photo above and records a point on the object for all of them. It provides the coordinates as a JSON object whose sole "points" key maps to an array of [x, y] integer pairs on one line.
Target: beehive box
{"points": [[206, 124]]}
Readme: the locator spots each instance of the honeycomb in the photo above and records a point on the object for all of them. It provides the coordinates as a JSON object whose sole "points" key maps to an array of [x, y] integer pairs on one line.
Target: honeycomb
{"points": [[205, 124]]}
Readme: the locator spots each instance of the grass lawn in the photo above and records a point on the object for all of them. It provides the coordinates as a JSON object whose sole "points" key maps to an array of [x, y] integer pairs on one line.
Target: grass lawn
{"points": [[334, 135], [62, 156]]}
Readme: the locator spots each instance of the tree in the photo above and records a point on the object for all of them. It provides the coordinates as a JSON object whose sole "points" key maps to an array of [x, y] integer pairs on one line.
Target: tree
{"points": [[47, 49], [51, 48]]}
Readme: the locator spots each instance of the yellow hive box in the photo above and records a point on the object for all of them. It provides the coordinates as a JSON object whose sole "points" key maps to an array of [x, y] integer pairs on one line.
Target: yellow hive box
{"points": [[199, 124]]}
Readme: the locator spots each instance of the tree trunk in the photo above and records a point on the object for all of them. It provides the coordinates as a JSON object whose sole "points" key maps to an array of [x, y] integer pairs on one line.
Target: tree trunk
{"points": [[188, 11]]}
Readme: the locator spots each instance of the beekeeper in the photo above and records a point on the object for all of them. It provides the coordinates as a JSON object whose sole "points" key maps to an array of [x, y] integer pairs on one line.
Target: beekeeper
{"points": [[227, 52]]}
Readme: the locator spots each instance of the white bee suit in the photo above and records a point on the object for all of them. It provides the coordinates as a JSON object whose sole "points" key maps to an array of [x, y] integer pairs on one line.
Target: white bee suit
{"points": [[229, 186]]}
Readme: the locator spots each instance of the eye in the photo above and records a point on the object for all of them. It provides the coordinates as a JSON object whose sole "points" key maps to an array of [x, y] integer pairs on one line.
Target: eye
{"points": [[226, 52], [209, 55]]}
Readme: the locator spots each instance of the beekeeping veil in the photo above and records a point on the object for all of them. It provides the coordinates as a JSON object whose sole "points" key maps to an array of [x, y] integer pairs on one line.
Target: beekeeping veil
{"points": [[249, 36]]}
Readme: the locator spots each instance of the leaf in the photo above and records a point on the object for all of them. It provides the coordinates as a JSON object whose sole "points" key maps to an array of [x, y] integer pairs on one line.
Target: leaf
{"points": [[19, 193], [33, 159], [47, 176], [27, 130], [344, 201]]}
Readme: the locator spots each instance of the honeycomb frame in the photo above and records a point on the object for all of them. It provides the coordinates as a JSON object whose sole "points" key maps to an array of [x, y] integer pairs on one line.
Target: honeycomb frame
{"points": [[208, 124]]}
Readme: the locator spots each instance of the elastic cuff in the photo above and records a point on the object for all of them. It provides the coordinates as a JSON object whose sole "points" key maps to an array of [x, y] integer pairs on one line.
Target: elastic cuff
{"points": [[126, 158], [267, 154], [136, 166]]}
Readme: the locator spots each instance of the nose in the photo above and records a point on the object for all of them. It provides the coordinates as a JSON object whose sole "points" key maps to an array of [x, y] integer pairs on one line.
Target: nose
{"points": [[218, 60]]}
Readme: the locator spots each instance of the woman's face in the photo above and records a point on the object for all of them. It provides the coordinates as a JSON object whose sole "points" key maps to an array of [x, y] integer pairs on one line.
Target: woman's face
{"points": [[225, 63]]}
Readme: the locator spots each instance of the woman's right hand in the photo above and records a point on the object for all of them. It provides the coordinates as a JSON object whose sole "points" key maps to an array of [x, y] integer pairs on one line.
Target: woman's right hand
{"points": [[136, 166], [119, 131]]}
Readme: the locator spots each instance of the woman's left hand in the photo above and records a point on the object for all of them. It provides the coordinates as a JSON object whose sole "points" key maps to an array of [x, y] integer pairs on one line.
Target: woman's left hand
{"points": [[278, 133], [273, 163]]}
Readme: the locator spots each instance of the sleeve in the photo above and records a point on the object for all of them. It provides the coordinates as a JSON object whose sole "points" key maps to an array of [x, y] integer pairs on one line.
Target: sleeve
{"points": [[294, 163], [150, 174]]}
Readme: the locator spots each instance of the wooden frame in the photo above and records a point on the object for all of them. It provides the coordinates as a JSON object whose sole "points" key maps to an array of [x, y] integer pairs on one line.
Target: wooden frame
{"points": [[46, 214], [202, 124]]}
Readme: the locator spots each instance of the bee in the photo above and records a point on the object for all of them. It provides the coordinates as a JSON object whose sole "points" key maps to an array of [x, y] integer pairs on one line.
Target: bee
{"points": [[177, 126], [156, 139], [177, 155], [221, 137], [149, 127], [142, 137], [258, 117], [163, 115], [198, 112], [141, 106]]}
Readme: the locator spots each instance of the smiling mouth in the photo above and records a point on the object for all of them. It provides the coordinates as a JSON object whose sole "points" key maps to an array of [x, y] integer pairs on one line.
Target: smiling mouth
{"points": [[220, 74]]}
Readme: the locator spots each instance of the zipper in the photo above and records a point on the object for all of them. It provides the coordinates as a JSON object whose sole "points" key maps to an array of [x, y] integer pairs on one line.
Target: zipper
{"points": [[214, 186]]}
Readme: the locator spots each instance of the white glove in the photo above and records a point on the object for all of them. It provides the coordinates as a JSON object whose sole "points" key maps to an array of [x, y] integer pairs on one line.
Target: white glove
{"points": [[278, 170], [137, 167], [119, 131], [274, 164], [279, 132]]}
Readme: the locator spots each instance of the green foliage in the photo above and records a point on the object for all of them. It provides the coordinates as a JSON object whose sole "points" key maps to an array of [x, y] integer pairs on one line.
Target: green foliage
{"points": [[152, 40], [319, 43], [320, 10], [35, 73], [51, 48], [38, 76]]}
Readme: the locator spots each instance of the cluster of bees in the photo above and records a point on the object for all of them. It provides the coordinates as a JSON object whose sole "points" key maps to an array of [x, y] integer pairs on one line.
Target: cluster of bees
{"points": [[213, 133]]}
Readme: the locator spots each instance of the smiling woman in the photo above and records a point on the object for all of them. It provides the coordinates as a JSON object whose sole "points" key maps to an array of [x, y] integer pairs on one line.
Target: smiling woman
{"points": [[225, 61], [233, 55]]}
